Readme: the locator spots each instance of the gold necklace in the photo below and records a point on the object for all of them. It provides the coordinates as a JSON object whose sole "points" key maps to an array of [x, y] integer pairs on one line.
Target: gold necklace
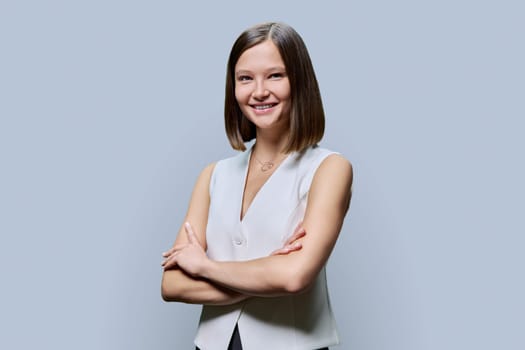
{"points": [[266, 165], [269, 165]]}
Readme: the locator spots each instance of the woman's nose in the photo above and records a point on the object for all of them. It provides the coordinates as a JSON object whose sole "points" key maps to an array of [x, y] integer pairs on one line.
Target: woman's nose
{"points": [[260, 91]]}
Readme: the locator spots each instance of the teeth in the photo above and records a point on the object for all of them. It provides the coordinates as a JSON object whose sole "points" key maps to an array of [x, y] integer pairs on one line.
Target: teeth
{"points": [[264, 106]]}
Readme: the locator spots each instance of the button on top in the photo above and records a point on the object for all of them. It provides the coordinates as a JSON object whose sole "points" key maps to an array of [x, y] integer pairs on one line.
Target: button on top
{"points": [[237, 240]]}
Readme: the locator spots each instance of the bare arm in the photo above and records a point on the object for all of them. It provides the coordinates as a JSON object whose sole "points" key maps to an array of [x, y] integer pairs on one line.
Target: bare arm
{"points": [[328, 202], [178, 286]]}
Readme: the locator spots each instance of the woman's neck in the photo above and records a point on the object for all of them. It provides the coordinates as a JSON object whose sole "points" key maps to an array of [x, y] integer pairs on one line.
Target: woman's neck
{"points": [[270, 145]]}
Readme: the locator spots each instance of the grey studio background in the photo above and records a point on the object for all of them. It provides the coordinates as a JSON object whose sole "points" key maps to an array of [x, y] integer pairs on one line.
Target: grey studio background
{"points": [[110, 109]]}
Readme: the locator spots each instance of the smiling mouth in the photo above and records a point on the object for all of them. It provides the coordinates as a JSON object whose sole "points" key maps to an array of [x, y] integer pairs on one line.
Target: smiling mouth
{"points": [[264, 107]]}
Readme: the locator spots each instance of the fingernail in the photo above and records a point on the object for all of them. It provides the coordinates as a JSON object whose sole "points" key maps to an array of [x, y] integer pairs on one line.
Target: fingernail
{"points": [[187, 224]]}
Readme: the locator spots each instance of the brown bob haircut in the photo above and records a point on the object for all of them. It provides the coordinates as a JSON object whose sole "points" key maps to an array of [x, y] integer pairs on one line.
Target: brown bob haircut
{"points": [[306, 112]]}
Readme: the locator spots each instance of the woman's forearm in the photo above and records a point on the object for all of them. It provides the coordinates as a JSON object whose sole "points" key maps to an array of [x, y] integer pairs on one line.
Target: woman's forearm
{"points": [[178, 286], [190, 276], [265, 277]]}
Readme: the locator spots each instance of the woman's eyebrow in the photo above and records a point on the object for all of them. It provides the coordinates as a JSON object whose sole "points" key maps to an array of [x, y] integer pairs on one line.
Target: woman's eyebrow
{"points": [[276, 68], [239, 72], [271, 69]]}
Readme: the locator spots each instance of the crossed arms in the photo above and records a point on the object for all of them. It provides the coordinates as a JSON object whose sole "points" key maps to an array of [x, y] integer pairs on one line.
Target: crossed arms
{"points": [[190, 276]]}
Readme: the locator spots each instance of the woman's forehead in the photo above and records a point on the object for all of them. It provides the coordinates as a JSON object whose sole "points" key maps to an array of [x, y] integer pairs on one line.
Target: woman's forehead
{"points": [[261, 56]]}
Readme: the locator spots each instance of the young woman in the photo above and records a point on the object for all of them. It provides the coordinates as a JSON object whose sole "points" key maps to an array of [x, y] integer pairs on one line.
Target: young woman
{"points": [[261, 225]]}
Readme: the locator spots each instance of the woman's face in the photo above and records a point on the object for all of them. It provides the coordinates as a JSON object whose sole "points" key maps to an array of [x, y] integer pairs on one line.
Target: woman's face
{"points": [[262, 88]]}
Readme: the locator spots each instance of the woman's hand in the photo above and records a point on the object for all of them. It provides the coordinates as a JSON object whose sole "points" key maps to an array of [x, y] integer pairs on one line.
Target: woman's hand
{"points": [[189, 257], [292, 244]]}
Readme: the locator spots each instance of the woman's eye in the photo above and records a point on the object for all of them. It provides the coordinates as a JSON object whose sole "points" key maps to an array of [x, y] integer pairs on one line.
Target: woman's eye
{"points": [[243, 78], [276, 75]]}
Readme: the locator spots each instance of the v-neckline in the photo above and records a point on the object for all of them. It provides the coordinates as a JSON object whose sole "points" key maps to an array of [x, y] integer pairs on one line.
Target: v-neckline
{"points": [[245, 180]]}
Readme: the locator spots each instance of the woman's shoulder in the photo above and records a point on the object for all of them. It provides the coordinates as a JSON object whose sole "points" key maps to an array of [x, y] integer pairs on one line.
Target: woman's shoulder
{"points": [[336, 162], [321, 163], [335, 169], [318, 155]]}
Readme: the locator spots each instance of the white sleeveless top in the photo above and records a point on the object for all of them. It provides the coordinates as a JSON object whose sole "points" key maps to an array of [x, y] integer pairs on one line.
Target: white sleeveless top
{"points": [[294, 322]]}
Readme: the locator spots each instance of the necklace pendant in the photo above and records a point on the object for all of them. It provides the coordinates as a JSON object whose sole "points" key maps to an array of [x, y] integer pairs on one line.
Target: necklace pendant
{"points": [[267, 166]]}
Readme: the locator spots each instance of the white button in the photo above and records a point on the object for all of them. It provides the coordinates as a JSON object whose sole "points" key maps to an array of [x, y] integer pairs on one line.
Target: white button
{"points": [[237, 240]]}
